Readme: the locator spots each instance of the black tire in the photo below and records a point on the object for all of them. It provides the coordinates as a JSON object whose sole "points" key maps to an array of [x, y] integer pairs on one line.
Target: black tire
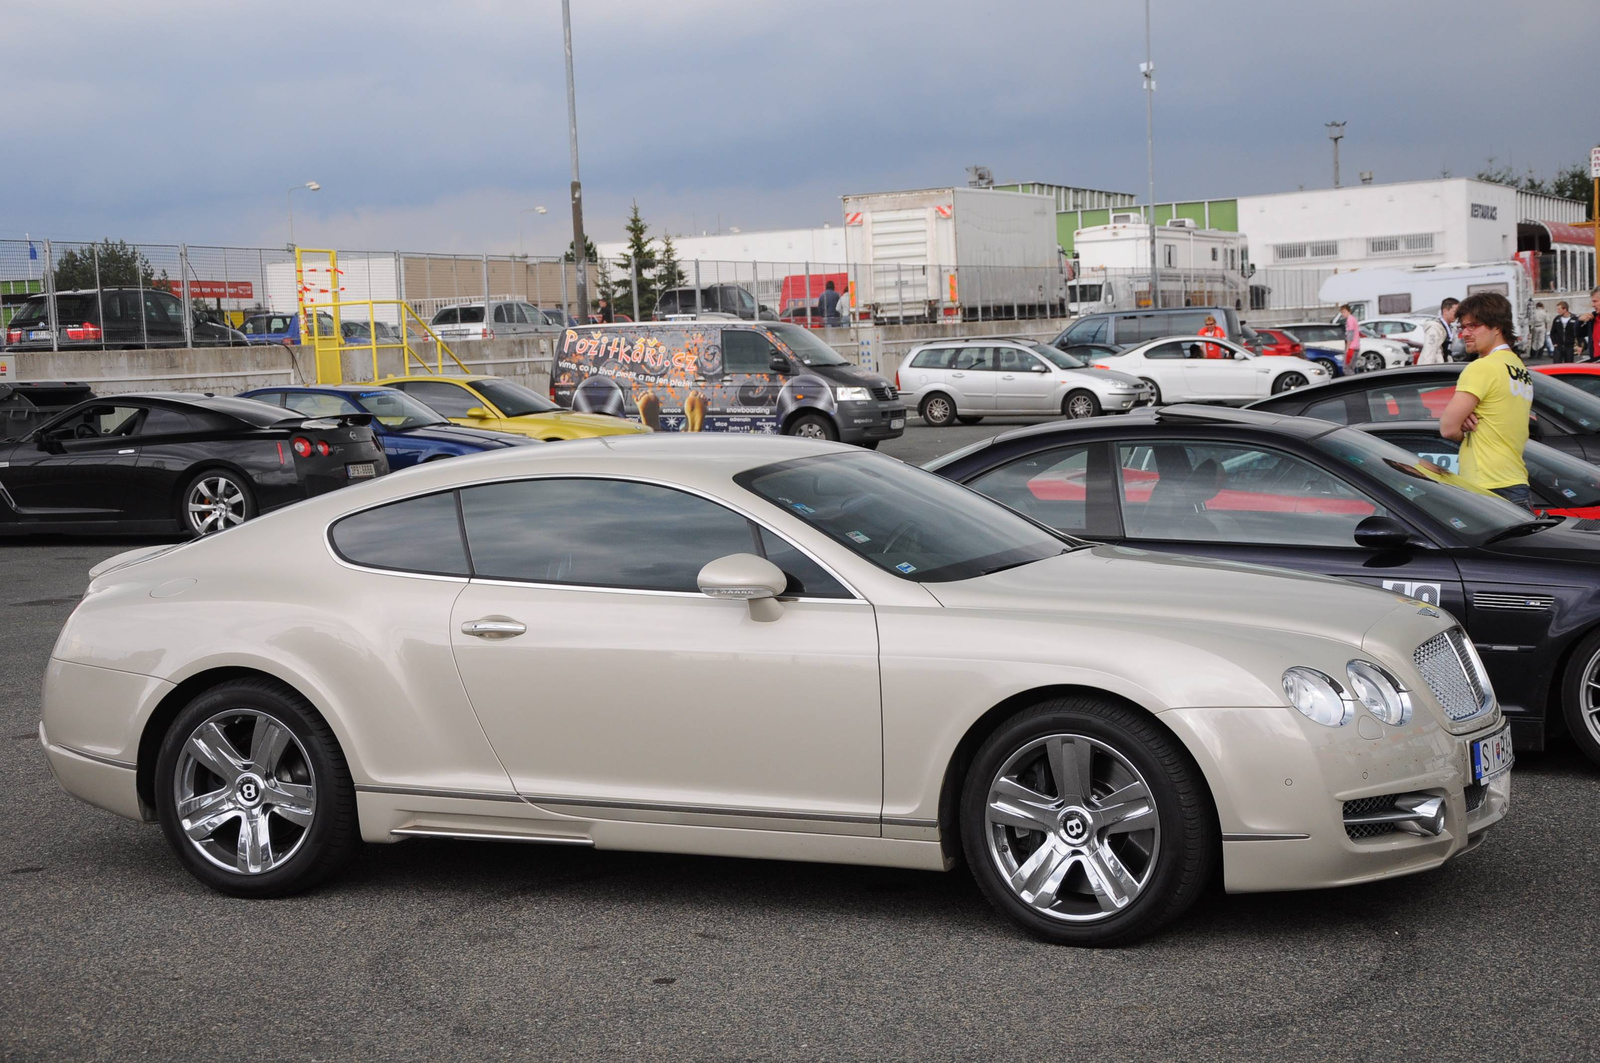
{"points": [[228, 490], [1155, 391], [1079, 404], [938, 410], [1580, 702], [1371, 362], [1288, 382], [968, 418], [1172, 866], [312, 761], [813, 426]]}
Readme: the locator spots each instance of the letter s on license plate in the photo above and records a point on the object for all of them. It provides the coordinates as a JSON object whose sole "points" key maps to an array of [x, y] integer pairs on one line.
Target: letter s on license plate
{"points": [[361, 471], [1492, 755]]}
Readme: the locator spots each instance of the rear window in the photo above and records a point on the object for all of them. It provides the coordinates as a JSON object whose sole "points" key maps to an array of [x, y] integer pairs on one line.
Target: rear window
{"points": [[471, 315], [70, 310], [450, 315]]}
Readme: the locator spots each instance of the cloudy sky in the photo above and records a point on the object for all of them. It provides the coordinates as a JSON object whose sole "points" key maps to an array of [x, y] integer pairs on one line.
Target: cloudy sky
{"points": [[431, 125]]}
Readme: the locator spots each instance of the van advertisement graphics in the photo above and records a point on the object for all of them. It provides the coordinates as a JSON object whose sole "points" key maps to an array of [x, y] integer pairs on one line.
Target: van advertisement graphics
{"points": [[671, 378]]}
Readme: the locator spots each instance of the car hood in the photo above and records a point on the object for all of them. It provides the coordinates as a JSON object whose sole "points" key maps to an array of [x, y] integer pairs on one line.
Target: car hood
{"points": [[1110, 376], [848, 375], [1124, 584], [455, 433], [1572, 540]]}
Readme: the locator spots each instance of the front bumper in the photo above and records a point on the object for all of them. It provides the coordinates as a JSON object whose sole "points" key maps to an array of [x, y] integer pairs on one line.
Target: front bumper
{"points": [[1280, 783], [861, 421]]}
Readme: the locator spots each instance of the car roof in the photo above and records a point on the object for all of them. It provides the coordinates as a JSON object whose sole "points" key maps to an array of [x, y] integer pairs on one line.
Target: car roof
{"points": [[259, 414], [1181, 414], [978, 339]]}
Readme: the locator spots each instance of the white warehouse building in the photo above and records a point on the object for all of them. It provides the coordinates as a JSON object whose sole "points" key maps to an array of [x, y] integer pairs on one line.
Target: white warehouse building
{"points": [[1421, 223], [824, 246]]}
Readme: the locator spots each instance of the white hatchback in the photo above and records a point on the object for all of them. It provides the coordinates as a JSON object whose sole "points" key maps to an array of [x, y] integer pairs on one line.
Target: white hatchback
{"points": [[1178, 368], [967, 380]]}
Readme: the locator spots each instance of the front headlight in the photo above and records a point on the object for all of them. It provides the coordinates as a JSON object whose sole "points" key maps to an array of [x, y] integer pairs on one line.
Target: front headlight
{"points": [[1318, 697], [1318, 370], [1380, 692], [852, 394]]}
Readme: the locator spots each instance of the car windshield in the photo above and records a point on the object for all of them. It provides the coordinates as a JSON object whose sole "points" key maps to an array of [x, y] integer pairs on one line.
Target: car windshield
{"points": [[396, 409], [805, 346], [1589, 382], [1564, 400], [514, 400], [1057, 357], [911, 523], [1476, 515]]}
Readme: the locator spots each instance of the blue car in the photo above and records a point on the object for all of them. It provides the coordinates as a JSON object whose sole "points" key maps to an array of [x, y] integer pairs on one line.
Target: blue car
{"points": [[409, 432]]}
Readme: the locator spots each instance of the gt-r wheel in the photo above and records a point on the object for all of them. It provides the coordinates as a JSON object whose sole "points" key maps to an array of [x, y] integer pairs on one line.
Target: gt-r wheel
{"points": [[1372, 361], [1079, 404], [1580, 696], [253, 793], [1288, 382], [938, 410], [968, 418], [812, 426], [214, 501], [1155, 390], [1086, 823]]}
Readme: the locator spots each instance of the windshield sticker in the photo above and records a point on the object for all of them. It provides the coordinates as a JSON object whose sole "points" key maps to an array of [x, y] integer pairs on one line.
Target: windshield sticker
{"points": [[1458, 522], [802, 507], [906, 567], [1569, 492], [858, 537]]}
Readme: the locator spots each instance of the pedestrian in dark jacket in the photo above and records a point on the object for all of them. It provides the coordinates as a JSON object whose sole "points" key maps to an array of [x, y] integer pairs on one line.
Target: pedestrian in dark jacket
{"points": [[1564, 329]]}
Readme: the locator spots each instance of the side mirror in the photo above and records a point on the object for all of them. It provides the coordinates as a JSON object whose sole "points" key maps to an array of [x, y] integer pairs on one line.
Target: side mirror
{"points": [[1241, 356], [479, 412], [1037, 368], [1383, 533], [747, 578], [779, 364]]}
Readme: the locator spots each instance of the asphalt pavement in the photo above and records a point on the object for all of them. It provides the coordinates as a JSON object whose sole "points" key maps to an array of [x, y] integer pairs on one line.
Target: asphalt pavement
{"points": [[454, 950]]}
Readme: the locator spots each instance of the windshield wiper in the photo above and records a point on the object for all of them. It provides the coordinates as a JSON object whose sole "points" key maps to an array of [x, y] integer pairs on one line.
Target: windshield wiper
{"points": [[1527, 528]]}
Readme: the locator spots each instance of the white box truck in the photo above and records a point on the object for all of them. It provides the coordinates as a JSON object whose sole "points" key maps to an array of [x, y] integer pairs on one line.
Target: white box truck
{"points": [[953, 254], [1418, 291]]}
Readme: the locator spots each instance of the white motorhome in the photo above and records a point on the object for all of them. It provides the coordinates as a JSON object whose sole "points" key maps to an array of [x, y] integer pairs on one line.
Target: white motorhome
{"points": [[1382, 292], [1198, 267]]}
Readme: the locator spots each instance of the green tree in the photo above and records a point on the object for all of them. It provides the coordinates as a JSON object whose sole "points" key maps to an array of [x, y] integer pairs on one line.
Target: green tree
{"points": [[589, 253], [120, 263], [669, 273], [640, 256], [1570, 182]]}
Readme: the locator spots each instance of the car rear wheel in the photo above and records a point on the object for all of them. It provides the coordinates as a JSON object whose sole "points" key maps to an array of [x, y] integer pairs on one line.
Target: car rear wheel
{"points": [[1580, 696], [214, 501], [968, 418], [938, 410], [812, 426], [1155, 391], [1079, 404], [1086, 823], [1288, 382], [253, 793]]}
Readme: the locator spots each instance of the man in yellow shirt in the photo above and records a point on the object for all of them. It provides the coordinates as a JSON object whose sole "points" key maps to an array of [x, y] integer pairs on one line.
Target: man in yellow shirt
{"points": [[1493, 401]]}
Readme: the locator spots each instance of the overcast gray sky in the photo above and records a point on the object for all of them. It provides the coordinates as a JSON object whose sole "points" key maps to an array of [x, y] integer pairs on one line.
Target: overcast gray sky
{"points": [[430, 125]]}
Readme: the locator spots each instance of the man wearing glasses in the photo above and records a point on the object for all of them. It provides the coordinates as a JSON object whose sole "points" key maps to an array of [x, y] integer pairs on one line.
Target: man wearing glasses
{"points": [[1493, 401]]}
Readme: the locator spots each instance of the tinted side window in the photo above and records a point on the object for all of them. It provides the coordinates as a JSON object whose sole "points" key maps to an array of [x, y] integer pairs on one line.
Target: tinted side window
{"points": [[806, 578], [1409, 402], [934, 358], [587, 532], [448, 316], [417, 535], [160, 421], [502, 314], [1096, 332], [1051, 487], [1166, 350], [744, 351], [1333, 410], [448, 399]]}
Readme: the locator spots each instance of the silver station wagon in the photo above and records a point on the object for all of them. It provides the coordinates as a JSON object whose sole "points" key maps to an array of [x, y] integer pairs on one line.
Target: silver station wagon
{"points": [[968, 379]]}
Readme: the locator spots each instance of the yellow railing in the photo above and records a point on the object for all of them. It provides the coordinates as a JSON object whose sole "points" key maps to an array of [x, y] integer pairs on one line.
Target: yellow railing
{"points": [[329, 347]]}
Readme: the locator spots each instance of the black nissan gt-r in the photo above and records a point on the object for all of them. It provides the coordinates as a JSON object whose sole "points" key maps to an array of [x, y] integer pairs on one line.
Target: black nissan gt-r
{"points": [[173, 462], [1299, 493]]}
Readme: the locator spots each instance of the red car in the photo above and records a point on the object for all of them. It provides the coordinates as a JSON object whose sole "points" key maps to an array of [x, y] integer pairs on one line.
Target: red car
{"points": [[1585, 375], [1280, 343]]}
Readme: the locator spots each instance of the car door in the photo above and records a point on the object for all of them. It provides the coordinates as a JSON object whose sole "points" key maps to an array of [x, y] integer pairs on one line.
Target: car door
{"points": [[972, 379], [163, 319], [1261, 504], [607, 682], [1162, 363], [1023, 383], [1229, 377], [748, 384], [79, 467]]}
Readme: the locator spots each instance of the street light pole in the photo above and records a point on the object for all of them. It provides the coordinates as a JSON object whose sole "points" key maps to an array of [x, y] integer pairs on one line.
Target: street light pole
{"points": [[289, 197], [578, 255], [1148, 69], [1335, 134]]}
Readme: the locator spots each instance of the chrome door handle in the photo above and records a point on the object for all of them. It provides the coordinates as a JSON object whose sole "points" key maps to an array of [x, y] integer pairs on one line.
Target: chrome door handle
{"points": [[1008, 376], [130, 450], [958, 374], [494, 627]]}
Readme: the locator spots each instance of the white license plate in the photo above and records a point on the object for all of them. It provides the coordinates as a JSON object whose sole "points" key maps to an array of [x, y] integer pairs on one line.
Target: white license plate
{"points": [[1492, 755], [39, 334], [898, 422], [361, 471]]}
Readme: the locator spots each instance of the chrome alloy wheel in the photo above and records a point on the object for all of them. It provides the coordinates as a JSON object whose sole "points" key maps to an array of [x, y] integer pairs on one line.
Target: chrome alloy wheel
{"points": [[811, 430], [214, 503], [1072, 828], [938, 411], [245, 792], [1589, 698], [1080, 406]]}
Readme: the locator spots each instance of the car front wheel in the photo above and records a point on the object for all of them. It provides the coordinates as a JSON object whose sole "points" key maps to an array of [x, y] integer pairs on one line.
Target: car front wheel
{"points": [[1085, 823], [812, 426], [1079, 404], [1580, 697], [253, 793], [1288, 382]]}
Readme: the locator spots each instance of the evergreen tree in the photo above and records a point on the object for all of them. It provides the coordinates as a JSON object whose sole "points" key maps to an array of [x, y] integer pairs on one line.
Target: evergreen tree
{"points": [[640, 255], [669, 273], [121, 263], [1570, 182], [589, 253]]}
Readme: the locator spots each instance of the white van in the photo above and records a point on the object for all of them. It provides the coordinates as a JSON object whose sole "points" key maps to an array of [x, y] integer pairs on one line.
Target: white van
{"points": [[1373, 293]]}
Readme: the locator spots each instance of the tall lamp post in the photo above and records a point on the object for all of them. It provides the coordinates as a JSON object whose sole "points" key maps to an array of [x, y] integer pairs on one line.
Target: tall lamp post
{"points": [[1335, 134], [310, 186], [1148, 69], [577, 188]]}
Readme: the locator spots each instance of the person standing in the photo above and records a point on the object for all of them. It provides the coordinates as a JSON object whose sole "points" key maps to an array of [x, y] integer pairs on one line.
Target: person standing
{"points": [[607, 315], [1538, 332], [1493, 402], [1213, 330], [1436, 335], [829, 302], [1589, 331], [1563, 333], [1352, 337]]}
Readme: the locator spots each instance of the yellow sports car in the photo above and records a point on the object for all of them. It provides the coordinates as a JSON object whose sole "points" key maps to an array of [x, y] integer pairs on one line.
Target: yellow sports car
{"points": [[503, 405]]}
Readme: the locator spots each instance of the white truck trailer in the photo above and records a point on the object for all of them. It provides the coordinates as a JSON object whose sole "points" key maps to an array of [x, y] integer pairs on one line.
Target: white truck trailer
{"points": [[951, 254], [1381, 292]]}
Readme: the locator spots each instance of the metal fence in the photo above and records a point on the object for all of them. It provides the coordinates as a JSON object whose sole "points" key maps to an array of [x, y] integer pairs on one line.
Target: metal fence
{"points": [[163, 295]]}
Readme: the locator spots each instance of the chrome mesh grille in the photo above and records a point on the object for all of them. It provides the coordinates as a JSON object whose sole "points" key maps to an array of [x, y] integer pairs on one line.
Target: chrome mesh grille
{"points": [[1364, 806], [1474, 795], [1447, 667]]}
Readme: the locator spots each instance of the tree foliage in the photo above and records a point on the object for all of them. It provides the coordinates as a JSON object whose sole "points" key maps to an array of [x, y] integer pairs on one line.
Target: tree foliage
{"points": [[120, 263], [641, 257], [1570, 182], [669, 273]]}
